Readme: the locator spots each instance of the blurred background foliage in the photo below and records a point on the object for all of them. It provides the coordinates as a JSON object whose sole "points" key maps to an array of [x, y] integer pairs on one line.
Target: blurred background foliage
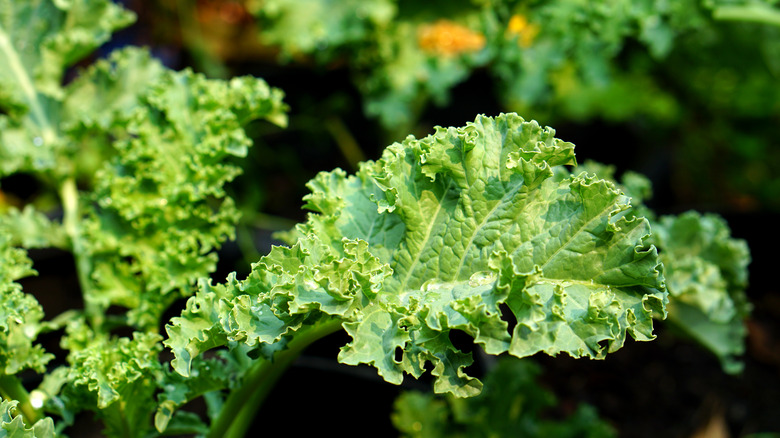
{"points": [[688, 90]]}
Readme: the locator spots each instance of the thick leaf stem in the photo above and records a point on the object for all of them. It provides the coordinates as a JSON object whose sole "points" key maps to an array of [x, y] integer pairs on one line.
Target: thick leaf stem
{"points": [[241, 405], [72, 224], [12, 389], [754, 13]]}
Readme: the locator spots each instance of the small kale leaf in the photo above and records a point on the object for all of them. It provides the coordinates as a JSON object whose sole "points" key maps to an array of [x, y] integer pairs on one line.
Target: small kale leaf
{"points": [[706, 271], [12, 425]]}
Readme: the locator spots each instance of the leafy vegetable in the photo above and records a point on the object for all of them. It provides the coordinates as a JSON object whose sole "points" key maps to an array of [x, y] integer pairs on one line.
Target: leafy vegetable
{"points": [[138, 156], [20, 323], [12, 425], [479, 229], [39, 39], [20, 315], [159, 204]]}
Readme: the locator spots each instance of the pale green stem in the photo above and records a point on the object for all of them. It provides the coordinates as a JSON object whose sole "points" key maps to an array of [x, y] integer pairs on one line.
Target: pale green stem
{"points": [[246, 245], [241, 406], [345, 141], [264, 222], [758, 14], [196, 43], [269, 222], [72, 223]]}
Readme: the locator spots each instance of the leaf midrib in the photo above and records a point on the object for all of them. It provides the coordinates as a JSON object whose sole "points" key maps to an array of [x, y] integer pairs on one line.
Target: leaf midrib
{"points": [[509, 195], [27, 87], [577, 233], [427, 236]]}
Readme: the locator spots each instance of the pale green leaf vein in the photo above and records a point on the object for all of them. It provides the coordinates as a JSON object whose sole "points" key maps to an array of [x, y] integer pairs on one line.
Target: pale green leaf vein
{"points": [[577, 233], [487, 218], [427, 235], [26, 85]]}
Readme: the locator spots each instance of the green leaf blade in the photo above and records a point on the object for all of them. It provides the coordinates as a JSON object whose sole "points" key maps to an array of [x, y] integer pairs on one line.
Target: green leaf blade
{"points": [[480, 203], [39, 40]]}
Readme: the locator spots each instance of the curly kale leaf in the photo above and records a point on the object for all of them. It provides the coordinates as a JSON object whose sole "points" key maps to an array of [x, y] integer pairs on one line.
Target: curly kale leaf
{"points": [[706, 271], [21, 320], [460, 230], [21, 317], [12, 425], [109, 376], [158, 207]]}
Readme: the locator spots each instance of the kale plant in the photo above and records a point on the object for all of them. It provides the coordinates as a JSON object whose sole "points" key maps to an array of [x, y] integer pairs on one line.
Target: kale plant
{"points": [[466, 229]]}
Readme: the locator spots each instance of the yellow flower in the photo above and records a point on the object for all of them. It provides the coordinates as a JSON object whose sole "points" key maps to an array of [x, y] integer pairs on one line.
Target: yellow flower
{"points": [[526, 32], [445, 37]]}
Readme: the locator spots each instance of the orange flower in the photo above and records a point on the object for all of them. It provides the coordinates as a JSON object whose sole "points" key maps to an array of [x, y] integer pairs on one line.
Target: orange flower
{"points": [[445, 37], [526, 32]]}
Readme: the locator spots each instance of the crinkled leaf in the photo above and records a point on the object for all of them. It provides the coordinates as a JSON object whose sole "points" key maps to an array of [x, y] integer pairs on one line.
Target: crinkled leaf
{"points": [[634, 185], [159, 207], [20, 315], [105, 372], [12, 425], [206, 376], [309, 280], [32, 229], [706, 271], [468, 219]]}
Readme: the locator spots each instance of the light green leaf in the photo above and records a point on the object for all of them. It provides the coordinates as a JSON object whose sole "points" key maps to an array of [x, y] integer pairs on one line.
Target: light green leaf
{"points": [[470, 219], [39, 39], [287, 288], [12, 425], [105, 372], [30, 228], [706, 272], [634, 185], [20, 315]]}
